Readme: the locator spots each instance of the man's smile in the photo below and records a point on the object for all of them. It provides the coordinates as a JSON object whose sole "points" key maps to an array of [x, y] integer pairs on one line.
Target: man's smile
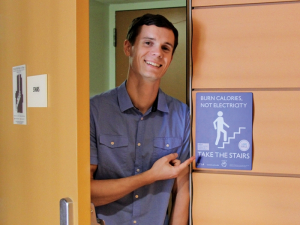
{"points": [[153, 64]]}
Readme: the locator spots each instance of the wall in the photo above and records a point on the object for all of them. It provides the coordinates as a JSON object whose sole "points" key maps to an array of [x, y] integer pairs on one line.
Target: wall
{"points": [[47, 159], [251, 46], [99, 48]]}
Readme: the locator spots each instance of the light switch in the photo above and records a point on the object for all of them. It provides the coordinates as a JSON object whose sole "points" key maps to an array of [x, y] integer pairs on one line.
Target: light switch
{"points": [[37, 90]]}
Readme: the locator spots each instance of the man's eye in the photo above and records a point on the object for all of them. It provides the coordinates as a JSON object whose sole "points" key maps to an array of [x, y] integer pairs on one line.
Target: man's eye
{"points": [[166, 49], [147, 42]]}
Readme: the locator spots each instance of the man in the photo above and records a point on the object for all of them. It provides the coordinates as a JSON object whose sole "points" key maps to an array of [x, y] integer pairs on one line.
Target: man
{"points": [[140, 136]]}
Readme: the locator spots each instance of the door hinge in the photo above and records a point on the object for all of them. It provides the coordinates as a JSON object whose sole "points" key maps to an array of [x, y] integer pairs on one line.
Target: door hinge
{"points": [[115, 37]]}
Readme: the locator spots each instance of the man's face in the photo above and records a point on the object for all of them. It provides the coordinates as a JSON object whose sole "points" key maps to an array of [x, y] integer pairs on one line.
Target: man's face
{"points": [[151, 54]]}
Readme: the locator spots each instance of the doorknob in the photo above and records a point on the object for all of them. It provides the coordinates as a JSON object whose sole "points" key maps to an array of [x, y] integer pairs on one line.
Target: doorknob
{"points": [[66, 211]]}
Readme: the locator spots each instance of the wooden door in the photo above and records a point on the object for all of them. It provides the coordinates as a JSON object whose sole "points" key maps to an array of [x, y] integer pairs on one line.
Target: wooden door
{"points": [[47, 159]]}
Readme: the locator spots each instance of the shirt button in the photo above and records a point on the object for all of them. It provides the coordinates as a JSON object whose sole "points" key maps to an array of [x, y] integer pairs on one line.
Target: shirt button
{"points": [[142, 118], [112, 143], [134, 221], [136, 196], [139, 144], [137, 170], [167, 145]]}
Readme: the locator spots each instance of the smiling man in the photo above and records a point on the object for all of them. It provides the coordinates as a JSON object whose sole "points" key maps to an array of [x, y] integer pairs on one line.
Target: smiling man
{"points": [[140, 136]]}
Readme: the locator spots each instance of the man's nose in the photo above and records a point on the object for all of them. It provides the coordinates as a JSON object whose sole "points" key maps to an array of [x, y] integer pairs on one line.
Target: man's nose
{"points": [[157, 51]]}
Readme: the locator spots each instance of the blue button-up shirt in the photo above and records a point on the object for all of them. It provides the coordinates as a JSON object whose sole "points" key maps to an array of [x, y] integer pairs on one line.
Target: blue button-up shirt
{"points": [[124, 142]]}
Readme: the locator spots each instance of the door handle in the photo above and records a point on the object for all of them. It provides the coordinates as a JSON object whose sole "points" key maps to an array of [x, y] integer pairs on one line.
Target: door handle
{"points": [[66, 211]]}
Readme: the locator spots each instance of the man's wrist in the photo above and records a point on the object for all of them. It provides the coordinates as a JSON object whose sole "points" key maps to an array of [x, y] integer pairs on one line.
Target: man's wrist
{"points": [[149, 177]]}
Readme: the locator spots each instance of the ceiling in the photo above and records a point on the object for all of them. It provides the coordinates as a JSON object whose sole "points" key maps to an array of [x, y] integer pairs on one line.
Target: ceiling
{"points": [[123, 1]]}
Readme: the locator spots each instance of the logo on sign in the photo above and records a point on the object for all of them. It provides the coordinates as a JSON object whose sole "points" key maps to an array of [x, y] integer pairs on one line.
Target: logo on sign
{"points": [[244, 145]]}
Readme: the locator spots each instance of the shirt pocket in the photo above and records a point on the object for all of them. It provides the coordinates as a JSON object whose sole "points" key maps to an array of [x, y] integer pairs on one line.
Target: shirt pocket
{"points": [[112, 154], [164, 146]]}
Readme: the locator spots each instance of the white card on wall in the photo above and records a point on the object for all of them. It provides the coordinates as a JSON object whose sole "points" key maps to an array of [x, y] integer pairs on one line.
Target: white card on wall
{"points": [[19, 94], [37, 90]]}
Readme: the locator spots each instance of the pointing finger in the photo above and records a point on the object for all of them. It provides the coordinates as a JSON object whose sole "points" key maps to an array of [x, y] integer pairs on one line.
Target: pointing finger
{"points": [[187, 162]]}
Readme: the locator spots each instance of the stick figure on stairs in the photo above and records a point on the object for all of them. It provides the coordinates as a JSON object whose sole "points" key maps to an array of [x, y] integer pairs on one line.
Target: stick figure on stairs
{"points": [[219, 126]]}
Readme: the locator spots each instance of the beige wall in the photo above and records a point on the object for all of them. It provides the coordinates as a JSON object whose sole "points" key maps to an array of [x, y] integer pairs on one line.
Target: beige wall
{"points": [[47, 159], [251, 46]]}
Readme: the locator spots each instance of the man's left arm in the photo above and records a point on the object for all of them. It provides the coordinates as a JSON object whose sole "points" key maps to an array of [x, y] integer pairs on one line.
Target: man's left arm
{"points": [[180, 199], [180, 191]]}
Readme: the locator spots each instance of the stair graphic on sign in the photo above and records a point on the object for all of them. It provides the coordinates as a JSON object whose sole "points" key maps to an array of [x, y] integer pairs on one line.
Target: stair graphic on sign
{"points": [[234, 133]]}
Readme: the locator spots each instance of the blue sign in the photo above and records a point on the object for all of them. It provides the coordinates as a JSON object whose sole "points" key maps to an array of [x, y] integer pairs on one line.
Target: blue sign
{"points": [[224, 130]]}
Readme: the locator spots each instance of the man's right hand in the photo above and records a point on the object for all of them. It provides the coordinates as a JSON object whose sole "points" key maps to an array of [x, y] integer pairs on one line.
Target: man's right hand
{"points": [[106, 191], [169, 167]]}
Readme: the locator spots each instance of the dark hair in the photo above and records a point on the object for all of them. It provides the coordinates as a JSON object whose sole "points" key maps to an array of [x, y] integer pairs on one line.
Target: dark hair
{"points": [[150, 19]]}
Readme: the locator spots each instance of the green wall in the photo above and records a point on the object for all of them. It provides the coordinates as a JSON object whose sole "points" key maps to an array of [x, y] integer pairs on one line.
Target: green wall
{"points": [[99, 60]]}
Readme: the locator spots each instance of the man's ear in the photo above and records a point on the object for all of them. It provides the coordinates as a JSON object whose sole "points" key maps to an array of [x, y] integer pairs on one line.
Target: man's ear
{"points": [[127, 47]]}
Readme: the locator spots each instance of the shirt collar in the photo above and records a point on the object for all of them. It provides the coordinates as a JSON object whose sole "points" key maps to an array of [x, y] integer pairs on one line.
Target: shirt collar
{"points": [[162, 102], [123, 98], [125, 103]]}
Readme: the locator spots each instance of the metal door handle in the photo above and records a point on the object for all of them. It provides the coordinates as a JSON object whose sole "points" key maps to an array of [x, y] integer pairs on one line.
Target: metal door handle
{"points": [[66, 211]]}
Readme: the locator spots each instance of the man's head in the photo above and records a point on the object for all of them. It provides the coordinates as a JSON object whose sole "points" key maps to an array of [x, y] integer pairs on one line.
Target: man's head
{"points": [[150, 19]]}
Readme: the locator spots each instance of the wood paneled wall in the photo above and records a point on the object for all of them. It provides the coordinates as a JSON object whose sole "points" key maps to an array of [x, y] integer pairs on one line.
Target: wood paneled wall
{"points": [[251, 46]]}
